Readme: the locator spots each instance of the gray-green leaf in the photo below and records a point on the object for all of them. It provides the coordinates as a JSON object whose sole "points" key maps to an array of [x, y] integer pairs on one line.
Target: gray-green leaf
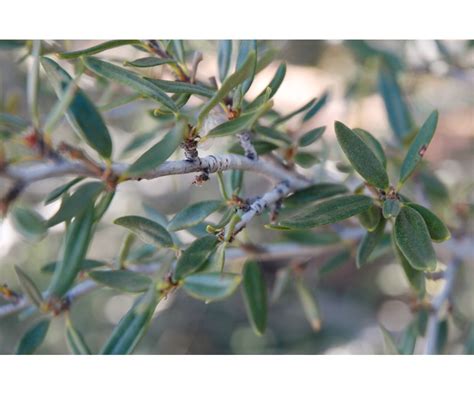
{"points": [[438, 230], [194, 214], [195, 256], [122, 280], [33, 338], [211, 286], [147, 230], [255, 296]]}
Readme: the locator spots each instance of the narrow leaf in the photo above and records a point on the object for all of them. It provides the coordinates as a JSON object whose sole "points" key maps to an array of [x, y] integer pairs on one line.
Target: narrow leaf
{"points": [[195, 256], [82, 114], [194, 214], [309, 304], [373, 144], [316, 107], [33, 338], [310, 137], [224, 56], [389, 343], [418, 147], [335, 262], [29, 287], [413, 239], [438, 230], [255, 296], [368, 244], [299, 110], [86, 264], [361, 156], [370, 219], [306, 159], [98, 48], [29, 223], [180, 87], [314, 193], [245, 48], [149, 61], [211, 286], [56, 193], [330, 211], [121, 280], [75, 340], [147, 230]]}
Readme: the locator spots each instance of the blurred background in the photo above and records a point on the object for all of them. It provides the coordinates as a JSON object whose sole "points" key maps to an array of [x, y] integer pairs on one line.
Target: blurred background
{"points": [[354, 303]]}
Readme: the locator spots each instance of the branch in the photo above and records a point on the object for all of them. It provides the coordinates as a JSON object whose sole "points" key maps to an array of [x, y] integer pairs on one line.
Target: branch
{"points": [[436, 305]]}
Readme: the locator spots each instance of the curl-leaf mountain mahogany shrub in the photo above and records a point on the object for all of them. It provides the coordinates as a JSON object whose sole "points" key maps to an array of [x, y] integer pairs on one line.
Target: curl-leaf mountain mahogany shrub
{"points": [[255, 130]]}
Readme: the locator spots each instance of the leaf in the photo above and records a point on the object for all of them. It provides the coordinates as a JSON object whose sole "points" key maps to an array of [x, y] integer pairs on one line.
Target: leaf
{"points": [[56, 193], [29, 287], [82, 114], [29, 223], [11, 121], [330, 211], [276, 81], [413, 239], [255, 296], [391, 208], [335, 262], [437, 229], [312, 238], [130, 79], [147, 230], [310, 137], [389, 343], [299, 110], [309, 304], [273, 134], [415, 277], [194, 214], [32, 83], [282, 279], [211, 286], [33, 338], [368, 244], [181, 87], [75, 245], [77, 203], [160, 152], [316, 107], [261, 147], [306, 159], [243, 122], [133, 325], [370, 218], [97, 48], [245, 48], [121, 280], [178, 50], [407, 342], [314, 193], [373, 144], [224, 55], [397, 108], [418, 147], [149, 61], [442, 337], [195, 256], [75, 340], [86, 264], [230, 82], [361, 156]]}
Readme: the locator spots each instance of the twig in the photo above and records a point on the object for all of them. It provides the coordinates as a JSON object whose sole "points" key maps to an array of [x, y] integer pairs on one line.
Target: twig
{"points": [[436, 305]]}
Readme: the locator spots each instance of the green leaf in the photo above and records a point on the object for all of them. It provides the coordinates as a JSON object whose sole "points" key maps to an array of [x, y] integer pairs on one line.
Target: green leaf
{"points": [[56, 193], [133, 325], [273, 134], [130, 79], [224, 56], [178, 50], [29, 223], [180, 87], [418, 147], [138, 141], [282, 279], [32, 83], [97, 48], [309, 304], [316, 107], [149, 61], [397, 108], [231, 82], [370, 219], [314, 193], [312, 238], [442, 337], [415, 277], [437, 229], [275, 82], [391, 208], [29, 287], [293, 113], [211, 286], [82, 114], [261, 147], [122, 280], [306, 159], [368, 243], [310, 137], [413, 239], [76, 243], [335, 262], [194, 214], [245, 48], [75, 340], [361, 156], [86, 264], [161, 151], [407, 342], [330, 211], [243, 122], [255, 296], [77, 203], [33, 338], [147, 230], [389, 343], [373, 144], [195, 256]]}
